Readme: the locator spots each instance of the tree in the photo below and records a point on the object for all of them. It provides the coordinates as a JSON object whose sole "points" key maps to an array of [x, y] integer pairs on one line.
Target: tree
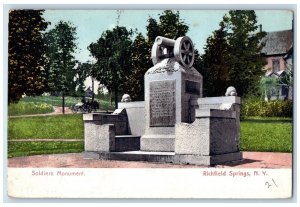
{"points": [[232, 55], [83, 71], [215, 66], [170, 25], [152, 29], [141, 61], [269, 86], [246, 61], [61, 62], [112, 52], [26, 51]]}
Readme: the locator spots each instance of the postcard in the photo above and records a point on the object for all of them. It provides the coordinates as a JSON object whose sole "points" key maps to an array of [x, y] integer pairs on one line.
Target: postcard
{"points": [[190, 104]]}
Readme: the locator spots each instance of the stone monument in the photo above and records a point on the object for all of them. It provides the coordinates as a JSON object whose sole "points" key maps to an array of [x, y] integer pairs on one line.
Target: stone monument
{"points": [[170, 85], [174, 124]]}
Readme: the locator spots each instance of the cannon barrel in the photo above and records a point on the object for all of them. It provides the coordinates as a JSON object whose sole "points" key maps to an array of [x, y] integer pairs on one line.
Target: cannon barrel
{"points": [[163, 41]]}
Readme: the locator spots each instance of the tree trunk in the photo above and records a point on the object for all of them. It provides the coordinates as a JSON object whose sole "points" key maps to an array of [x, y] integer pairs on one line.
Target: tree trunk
{"points": [[93, 96], [63, 102], [116, 97], [110, 97]]}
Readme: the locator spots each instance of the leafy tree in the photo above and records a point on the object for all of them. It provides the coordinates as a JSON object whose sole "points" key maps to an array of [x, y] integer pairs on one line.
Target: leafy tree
{"points": [[269, 86], [170, 25], [215, 67], [83, 71], [152, 29], [232, 55], [141, 60], [246, 61], [61, 42], [112, 52], [26, 51]]}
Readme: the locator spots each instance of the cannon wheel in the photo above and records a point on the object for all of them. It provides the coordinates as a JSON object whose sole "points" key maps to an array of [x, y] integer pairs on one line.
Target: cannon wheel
{"points": [[156, 53], [184, 51]]}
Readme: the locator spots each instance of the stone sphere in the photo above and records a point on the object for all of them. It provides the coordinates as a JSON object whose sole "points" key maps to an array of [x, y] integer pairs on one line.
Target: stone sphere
{"points": [[231, 91], [126, 98]]}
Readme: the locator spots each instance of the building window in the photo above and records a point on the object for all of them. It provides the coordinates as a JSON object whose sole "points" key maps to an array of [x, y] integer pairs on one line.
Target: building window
{"points": [[276, 66]]}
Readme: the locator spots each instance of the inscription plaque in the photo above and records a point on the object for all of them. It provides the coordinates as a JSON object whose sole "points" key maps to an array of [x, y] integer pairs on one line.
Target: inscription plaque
{"points": [[162, 103], [192, 87]]}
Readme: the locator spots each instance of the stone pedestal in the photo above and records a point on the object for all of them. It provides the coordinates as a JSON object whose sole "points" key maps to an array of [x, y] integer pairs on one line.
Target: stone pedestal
{"points": [[232, 103], [169, 89], [99, 138], [213, 135]]}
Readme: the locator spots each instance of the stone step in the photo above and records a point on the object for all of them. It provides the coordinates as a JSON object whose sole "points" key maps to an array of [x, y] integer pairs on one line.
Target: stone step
{"points": [[160, 157], [127, 143], [166, 157]]}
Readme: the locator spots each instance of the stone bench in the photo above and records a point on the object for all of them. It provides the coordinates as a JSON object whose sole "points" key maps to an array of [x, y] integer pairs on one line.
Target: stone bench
{"points": [[213, 137], [120, 131]]}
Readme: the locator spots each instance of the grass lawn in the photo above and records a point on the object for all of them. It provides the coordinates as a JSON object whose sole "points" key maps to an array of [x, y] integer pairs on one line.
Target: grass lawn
{"points": [[69, 101], [52, 100], [16, 149], [25, 108], [46, 127], [266, 134], [257, 134]]}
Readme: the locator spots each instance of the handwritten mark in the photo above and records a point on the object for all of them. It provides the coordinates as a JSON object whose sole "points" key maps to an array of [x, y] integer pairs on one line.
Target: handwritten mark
{"points": [[270, 184]]}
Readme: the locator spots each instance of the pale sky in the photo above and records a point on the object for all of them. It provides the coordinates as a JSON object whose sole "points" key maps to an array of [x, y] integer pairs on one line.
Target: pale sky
{"points": [[91, 23]]}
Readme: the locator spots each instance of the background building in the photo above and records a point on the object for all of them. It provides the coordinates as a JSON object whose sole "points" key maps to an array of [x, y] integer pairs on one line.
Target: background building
{"points": [[278, 51]]}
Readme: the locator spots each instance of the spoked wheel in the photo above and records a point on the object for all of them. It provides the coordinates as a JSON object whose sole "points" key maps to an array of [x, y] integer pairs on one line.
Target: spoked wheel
{"points": [[184, 51]]}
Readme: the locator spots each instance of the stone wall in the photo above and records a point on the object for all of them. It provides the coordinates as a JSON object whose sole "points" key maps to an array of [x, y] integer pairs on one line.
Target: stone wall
{"points": [[99, 138], [212, 133], [136, 116]]}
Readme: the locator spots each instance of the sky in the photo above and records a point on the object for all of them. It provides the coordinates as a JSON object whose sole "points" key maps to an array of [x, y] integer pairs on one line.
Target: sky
{"points": [[91, 23]]}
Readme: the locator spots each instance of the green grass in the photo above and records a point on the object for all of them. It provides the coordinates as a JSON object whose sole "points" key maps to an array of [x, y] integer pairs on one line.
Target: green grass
{"points": [[69, 101], [266, 134], [52, 100], [16, 149], [25, 108], [257, 134], [46, 127]]}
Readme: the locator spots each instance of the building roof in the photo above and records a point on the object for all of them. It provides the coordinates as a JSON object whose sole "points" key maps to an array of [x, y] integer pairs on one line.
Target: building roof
{"points": [[88, 90], [277, 42]]}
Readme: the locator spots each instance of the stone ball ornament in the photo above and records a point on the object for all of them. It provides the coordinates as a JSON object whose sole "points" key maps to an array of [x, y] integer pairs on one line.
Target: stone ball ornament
{"points": [[182, 49], [126, 98], [231, 91]]}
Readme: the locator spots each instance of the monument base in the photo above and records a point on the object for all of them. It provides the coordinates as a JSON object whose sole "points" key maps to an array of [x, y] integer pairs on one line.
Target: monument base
{"points": [[158, 143], [166, 157]]}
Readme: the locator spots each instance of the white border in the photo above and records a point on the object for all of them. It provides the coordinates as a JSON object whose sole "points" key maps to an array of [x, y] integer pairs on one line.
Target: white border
{"points": [[50, 4]]}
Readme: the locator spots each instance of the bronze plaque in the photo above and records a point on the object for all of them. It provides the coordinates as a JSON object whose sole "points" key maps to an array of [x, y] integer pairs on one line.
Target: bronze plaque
{"points": [[162, 103], [192, 87]]}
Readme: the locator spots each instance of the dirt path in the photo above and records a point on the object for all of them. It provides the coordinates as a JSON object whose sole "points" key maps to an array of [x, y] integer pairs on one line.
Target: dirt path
{"points": [[57, 111], [268, 160]]}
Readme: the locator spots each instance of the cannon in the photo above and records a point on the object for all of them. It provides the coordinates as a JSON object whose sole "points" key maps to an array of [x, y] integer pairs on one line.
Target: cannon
{"points": [[182, 49]]}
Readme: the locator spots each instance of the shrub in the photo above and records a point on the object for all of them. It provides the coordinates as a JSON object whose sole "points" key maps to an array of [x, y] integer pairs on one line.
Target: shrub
{"points": [[276, 108]]}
